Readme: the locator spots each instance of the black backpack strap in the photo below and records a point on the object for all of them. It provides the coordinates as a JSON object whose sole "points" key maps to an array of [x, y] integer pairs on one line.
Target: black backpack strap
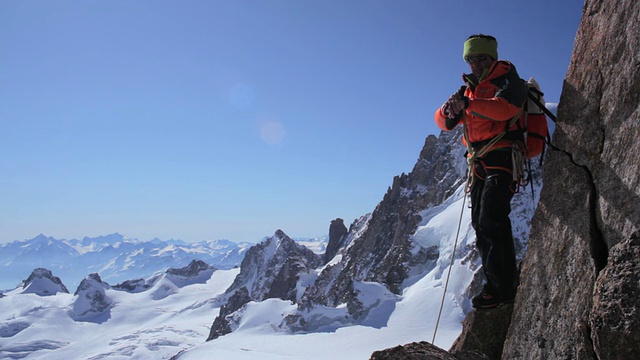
{"points": [[541, 105]]}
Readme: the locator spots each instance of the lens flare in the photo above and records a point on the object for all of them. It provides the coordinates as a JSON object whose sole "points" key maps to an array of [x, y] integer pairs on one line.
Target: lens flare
{"points": [[272, 132]]}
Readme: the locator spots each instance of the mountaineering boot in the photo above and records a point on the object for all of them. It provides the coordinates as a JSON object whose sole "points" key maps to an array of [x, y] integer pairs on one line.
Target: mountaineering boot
{"points": [[484, 300], [490, 298]]}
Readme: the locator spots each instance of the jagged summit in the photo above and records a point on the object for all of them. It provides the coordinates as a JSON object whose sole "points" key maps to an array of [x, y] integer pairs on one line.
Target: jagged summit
{"points": [[337, 236], [264, 261], [270, 269]]}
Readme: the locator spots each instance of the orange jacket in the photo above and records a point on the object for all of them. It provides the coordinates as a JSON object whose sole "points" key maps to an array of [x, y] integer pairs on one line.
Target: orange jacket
{"points": [[492, 103]]}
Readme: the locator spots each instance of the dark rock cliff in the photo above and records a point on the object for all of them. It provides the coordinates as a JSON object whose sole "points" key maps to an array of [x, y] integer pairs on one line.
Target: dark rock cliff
{"points": [[576, 295]]}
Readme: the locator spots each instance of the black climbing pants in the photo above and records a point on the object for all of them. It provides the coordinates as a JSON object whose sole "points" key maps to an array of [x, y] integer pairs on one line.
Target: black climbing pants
{"points": [[491, 193]]}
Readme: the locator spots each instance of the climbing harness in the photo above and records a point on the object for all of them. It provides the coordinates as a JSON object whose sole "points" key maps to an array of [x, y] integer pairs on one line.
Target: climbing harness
{"points": [[517, 153]]}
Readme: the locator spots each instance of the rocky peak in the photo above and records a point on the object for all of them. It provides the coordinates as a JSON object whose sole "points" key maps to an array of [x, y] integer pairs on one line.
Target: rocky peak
{"points": [[91, 281], [264, 262], [337, 236], [270, 269], [380, 248], [197, 272], [42, 282]]}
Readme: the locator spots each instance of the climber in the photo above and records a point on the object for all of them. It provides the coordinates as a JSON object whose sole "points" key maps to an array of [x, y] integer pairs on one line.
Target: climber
{"points": [[488, 106]]}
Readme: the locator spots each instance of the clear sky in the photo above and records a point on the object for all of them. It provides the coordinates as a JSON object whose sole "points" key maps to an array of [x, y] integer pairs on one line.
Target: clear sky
{"points": [[229, 119]]}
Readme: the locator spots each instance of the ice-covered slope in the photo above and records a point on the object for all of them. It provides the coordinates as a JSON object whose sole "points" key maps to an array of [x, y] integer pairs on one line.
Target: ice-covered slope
{"points": [[139, 326]]}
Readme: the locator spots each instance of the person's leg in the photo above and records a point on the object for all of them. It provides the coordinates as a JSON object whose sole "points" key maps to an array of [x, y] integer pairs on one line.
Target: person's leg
{"points": [[489, 296], [493, 230]]}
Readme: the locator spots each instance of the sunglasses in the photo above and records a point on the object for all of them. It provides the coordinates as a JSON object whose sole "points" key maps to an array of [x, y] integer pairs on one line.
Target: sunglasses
{"points": [[475, 58]]}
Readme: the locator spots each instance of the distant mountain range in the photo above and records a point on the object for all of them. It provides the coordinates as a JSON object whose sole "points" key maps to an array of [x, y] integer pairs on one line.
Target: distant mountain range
{"points": [[115, 258]]}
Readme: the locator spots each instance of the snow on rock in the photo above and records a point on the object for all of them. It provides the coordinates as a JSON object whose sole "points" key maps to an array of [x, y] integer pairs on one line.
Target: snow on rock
{"points": [[168, 283], [91, 303], [197, 272], [42, 282]]}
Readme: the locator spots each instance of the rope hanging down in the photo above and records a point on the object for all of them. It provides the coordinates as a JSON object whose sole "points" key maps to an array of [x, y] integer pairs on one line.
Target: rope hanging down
{"points": [[453, 254]]}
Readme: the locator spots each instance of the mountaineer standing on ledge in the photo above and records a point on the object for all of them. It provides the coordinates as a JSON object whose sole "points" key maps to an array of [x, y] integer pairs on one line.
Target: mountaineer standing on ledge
{"points": [[488, 107]]}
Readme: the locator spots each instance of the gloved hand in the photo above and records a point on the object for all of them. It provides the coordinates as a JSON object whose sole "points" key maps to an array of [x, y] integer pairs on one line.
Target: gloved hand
{"points": [[454, 105]]}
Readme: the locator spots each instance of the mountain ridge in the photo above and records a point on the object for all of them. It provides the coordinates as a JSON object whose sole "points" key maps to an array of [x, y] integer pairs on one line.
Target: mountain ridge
{"points": [[114, 257]]}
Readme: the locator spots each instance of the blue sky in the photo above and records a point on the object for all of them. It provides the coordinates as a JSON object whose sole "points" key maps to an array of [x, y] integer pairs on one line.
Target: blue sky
{"points": [[228, 119]]}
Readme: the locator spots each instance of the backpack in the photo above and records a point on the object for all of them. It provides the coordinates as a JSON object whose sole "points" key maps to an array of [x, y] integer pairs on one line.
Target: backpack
{"points": [[534, 123]]}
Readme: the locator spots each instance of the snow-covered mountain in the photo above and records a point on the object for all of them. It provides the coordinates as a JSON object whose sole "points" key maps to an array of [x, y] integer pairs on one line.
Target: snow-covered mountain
{"points": [[113, 257], [133, 321], [108, 322], [42, 283], [416, 242], [382, 286]]}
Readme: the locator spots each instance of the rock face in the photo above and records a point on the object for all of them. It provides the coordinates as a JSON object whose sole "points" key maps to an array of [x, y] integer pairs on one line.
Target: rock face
{"points": [[615, 319], [42, 282], [579, 289], [484, 332]]}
